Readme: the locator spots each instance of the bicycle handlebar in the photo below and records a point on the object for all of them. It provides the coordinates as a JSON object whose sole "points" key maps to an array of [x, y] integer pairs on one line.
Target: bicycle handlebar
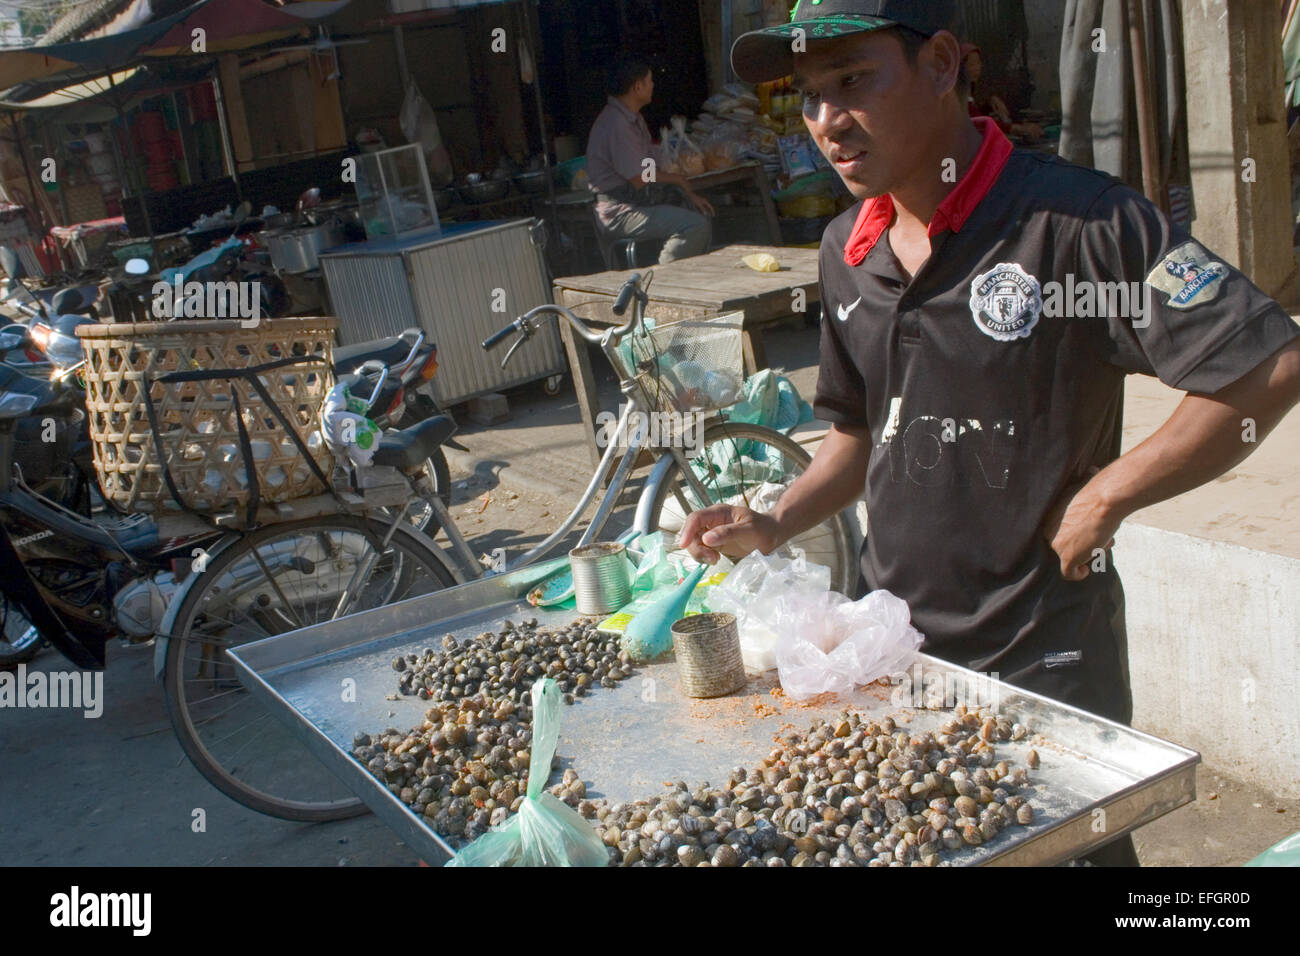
{"points": [[631, 291], [630, 288], [497, 338]]}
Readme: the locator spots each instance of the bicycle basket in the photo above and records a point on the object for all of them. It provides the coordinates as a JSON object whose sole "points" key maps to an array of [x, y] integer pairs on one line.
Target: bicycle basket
{"points": [[695, 365]]}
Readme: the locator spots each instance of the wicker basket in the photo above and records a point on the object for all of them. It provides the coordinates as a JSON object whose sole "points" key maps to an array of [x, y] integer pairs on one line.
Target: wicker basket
{"points": [[277, 374], [708, 655]]}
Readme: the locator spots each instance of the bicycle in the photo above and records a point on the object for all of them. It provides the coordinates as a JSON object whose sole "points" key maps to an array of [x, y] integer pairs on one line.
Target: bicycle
{"points": [[678, 483], [727, 461]]}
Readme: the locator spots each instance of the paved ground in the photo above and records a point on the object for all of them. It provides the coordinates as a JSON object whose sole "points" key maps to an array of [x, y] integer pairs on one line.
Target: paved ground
{"points": [[118, 790]]}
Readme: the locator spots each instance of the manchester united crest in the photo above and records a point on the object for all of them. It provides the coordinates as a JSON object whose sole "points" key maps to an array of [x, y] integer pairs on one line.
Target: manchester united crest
{"points": [[1006, 302]]}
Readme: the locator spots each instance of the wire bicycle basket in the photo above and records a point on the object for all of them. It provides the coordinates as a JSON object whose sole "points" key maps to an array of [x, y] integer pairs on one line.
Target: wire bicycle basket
{"points": [[693, 365]]}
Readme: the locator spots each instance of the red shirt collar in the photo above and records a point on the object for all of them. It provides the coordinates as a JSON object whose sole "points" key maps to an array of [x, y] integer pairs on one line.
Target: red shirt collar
{"points": [[878, 213]]}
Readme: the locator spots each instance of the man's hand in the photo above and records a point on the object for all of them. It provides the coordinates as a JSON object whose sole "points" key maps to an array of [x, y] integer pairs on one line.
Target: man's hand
{"points": [[702, 204], [730, 530], [1076, 526]]}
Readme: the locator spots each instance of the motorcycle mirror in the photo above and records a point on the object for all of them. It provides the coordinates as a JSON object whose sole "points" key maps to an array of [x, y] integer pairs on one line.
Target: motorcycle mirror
{"points": [[137, 267], [242, 211]]}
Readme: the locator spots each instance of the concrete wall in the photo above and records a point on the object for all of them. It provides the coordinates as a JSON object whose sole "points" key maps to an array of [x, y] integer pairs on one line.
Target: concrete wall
{"points": [[1214, 651]]}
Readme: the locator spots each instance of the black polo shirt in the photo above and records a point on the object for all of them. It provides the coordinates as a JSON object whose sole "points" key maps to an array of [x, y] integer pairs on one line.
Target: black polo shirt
{"points": [[994, 379]]}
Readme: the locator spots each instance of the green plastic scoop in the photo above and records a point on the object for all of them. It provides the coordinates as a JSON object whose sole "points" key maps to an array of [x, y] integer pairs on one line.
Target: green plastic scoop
{"points": [[649, 634]]}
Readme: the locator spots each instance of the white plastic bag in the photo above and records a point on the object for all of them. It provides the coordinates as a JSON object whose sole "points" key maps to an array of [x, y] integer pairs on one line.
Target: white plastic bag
{"points": [[420, 125], [754, 590], [831, 644], [348, 433]]}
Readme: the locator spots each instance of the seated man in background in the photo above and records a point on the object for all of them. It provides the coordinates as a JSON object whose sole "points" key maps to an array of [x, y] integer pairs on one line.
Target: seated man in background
{"points": [[629, 207]]}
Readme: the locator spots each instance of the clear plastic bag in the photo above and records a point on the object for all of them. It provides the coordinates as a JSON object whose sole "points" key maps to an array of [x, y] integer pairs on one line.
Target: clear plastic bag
{"points": [[668, 151], [690, 158], [545, 831], [724, 145], [754, 590], [831, 644]]}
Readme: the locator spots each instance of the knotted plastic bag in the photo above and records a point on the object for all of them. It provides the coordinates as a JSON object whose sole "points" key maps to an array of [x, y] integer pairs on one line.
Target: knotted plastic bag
{"points": [[348, 433], [545, 831]]}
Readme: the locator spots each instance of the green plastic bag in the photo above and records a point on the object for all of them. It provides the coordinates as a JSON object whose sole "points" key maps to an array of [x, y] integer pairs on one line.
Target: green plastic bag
{"points": [[770, 399], [545, 831], [1285, 853]]}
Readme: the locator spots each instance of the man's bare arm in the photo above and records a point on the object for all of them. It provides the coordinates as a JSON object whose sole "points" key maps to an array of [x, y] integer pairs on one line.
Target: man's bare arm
{"points": [[834, 480], [1205, 436]]}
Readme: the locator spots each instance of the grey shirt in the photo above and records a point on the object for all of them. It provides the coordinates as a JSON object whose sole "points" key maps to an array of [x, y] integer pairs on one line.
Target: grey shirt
{"points": [[618, 145]]}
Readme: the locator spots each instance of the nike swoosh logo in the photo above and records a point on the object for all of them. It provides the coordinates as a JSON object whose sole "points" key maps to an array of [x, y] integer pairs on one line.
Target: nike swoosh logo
{"points": [[845, 313]]}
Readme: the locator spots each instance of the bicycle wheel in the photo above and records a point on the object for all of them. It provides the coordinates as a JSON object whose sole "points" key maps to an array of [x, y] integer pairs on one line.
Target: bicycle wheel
{"points": [[752, 465], [275, 580]]}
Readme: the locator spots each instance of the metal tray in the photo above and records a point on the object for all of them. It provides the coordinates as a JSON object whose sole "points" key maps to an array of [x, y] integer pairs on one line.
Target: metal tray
{"points": [[1097, 779]]}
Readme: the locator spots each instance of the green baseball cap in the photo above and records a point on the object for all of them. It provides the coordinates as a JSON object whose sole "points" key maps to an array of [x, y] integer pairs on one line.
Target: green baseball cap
{"points": [[768, 54]]}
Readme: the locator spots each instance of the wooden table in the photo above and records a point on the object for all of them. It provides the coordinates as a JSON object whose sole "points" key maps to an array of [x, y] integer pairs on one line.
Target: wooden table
{"points": [[712, 284]]}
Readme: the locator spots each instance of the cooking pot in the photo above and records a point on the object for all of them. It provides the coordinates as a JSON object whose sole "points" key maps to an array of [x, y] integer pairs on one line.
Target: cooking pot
{"points": [[295, 250]]}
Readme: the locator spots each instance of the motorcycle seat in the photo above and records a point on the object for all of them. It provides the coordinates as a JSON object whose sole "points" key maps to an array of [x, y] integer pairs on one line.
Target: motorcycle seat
{"points": [[79, 300], [390, 351], [408, 448], [360, 386]]}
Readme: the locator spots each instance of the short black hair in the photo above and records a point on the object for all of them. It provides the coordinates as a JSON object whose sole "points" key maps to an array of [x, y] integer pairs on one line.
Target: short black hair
{"points": [[625, 71], [912, 41]]}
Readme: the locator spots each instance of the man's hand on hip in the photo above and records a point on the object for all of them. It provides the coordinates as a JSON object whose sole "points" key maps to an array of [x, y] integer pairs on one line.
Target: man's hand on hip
{"points": [[1077, 527], [730, 530]]}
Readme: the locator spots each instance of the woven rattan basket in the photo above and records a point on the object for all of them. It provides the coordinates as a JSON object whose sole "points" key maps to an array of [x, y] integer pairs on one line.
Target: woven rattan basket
{"points": [[708, 655], [193, 455]]}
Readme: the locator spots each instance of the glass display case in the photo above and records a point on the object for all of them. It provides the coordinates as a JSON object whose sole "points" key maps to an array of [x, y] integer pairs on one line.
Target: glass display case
{"points": [[393, 190]]}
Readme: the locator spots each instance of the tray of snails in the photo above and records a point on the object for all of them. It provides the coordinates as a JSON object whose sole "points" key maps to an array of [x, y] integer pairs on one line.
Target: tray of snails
{"points": [[434, 727]]}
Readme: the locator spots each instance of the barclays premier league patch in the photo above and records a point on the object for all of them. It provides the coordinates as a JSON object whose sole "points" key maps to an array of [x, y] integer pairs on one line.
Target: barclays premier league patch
{"points": [[1005, 302], [1189, 276]]}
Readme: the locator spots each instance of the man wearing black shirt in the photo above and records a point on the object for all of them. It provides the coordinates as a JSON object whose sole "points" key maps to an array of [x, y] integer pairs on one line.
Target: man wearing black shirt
{"points": [[981, 308]]}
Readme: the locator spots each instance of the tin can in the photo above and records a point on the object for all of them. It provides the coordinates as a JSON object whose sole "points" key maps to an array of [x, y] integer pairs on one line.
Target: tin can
{"points": [[600, 578]]}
